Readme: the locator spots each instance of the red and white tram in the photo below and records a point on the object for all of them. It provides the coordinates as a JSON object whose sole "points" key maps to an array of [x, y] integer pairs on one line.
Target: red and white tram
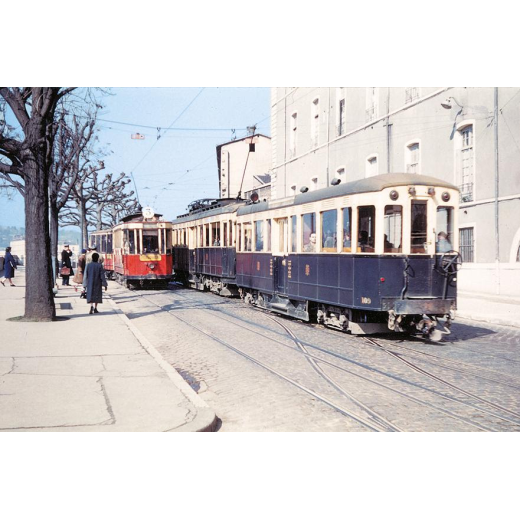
{"points": [[142, 250]]}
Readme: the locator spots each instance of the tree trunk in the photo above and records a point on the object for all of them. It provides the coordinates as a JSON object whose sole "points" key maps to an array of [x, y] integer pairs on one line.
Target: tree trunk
{"points": [[39, 299], [83, 223], [54, 215]]}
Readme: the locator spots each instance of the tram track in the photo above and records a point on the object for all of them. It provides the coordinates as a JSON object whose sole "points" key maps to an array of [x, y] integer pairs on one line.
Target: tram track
{"points": [[368, 423], [450, 385], [376, 421]]}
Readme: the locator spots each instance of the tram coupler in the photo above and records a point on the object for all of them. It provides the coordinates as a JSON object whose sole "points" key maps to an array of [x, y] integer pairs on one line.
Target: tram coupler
{"points": [[394, 321]]}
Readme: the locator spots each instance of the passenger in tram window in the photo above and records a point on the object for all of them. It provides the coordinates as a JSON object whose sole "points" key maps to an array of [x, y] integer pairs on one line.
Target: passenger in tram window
{"points": [[310, 247], [216, 242], [388, 244], [443, 244], [346, 240], [363, 240]]}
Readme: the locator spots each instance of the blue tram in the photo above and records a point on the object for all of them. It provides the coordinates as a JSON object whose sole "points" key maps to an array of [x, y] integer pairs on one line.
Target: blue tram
{"points": [[362, 257]]}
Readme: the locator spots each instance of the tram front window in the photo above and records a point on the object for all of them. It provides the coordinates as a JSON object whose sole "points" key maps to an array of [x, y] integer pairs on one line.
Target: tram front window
{"points": [[150, 242], [419, 226]]}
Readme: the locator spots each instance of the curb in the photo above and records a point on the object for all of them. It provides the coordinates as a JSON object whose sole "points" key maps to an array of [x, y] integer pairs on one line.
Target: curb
{"points": [[205, 420]]}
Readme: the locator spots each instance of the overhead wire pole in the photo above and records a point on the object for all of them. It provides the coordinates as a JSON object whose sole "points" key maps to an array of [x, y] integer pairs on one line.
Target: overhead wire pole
{"points": [[247, 159], [159, 136]]}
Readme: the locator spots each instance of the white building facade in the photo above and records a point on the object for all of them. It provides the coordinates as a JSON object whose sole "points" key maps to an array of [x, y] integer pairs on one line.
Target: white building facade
{"points": [[467, 136], [244, 166]]}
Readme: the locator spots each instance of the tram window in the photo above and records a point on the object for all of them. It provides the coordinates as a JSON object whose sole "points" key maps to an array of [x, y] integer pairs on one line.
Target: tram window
{"points": [[393, 229], [259, 235], [230, 233], [207, 241], [444, 229], [239, 237], [129, 244], [309, 232], [282, 235], [215, 233], [150, 241], [110, 245], [294, 236], [419, 234], [347, 229], [225, 235], [329, 230], [366, 229], [103, 243], [248, 236], [268, 234]]}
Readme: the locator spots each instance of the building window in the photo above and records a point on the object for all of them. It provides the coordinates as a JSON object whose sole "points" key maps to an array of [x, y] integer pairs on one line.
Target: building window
{"points": [[315, 123], [467, 244], [372, 166], [294, 129], [413, 158], [466, 163], [252, 147], [411, 94], [372, 104]]}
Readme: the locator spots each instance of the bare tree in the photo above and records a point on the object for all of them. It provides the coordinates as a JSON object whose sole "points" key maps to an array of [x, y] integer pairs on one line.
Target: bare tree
{"points": [[26, 163], [107, 193], [71, 157]]}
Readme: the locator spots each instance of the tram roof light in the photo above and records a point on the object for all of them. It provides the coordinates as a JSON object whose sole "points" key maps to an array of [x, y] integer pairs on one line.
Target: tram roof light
{"points": [[431, 191], [412, 190]]}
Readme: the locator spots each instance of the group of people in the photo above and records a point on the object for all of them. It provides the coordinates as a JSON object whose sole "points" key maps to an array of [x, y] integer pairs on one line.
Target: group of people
{"points": [[90, 275]]}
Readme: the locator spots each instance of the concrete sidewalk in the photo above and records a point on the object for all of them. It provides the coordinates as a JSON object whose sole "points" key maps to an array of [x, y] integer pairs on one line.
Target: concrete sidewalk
{"points": [[498, 310], [88, 373]]}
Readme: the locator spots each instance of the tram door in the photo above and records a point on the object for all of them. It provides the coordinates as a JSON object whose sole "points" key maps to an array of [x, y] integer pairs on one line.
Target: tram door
{"points": [[280, 252]]}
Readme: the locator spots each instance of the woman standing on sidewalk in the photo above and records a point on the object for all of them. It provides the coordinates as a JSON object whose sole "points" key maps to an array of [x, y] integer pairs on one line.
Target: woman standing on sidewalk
{"points": [[94, 279], [9, 267]]}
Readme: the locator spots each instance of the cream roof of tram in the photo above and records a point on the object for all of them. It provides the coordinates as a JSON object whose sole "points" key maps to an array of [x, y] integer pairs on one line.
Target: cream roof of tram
{"points": [[367, 185]]}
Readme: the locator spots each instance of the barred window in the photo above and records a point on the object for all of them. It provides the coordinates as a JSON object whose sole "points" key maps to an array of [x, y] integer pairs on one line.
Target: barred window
{"points": [[467, 245]]}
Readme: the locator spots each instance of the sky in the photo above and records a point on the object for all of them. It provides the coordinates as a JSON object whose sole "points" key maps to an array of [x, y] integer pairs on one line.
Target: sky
{"points": [[180, 166]]}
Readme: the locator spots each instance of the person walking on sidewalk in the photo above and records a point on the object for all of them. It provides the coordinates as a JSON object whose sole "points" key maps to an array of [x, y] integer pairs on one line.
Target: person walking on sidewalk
{"points": [[93, 280], [66, 264], [9, 267], [78, 277]]}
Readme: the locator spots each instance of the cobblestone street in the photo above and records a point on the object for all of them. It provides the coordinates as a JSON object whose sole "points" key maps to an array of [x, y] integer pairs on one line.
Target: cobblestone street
{"points": [[263, 372]]}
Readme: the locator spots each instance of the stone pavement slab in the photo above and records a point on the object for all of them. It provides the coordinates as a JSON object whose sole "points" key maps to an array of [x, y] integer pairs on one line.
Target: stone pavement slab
{"points": [[87, 373]]}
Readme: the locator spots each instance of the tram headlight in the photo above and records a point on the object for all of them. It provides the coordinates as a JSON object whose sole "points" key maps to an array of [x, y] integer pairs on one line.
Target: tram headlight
{"points": [[394, 195], [446, 196], [151, 266], [431, 191]]}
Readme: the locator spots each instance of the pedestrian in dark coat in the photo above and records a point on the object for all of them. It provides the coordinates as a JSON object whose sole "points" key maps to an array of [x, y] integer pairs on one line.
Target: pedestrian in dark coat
{"points": [[9, 267], [65, 262], [93, 280]]}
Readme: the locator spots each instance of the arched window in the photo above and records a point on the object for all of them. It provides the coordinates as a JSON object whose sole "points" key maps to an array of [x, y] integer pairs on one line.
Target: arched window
{"points": [[413, 157]]}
